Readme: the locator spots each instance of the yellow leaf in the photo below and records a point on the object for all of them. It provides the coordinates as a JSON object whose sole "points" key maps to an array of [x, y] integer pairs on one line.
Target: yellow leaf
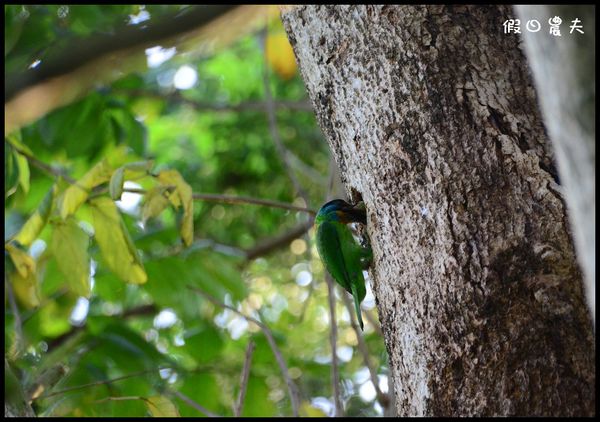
{"points": [[116, 246], [34, 225], [70, 249], [171, 178], [280, 55], [76, 194], [182, 195], [24, 264], [160, 406], [155, 202], [24, 278], [54, 317], [26, 289]]}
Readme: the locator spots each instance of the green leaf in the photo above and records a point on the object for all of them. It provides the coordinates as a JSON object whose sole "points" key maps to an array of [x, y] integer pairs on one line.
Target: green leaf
{"points": [[203, 389], [129, 130], [108, 286], [16, 140], [11, 171], [125, 345], [205, 344], [138, 168], [116, 246], [222, 271], [257, 402], [126, 172], [116, 184], [170, 277], [23, 167], [160, 406], [70, 248]]}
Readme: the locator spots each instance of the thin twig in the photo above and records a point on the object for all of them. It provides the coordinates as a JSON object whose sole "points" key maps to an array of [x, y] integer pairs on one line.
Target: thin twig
{"points": [[19, 342], [232, 199], [270, 339], [281, 150], [46, 168], [97, 383], [335, 377], [198, 243], [194, 404], [364, 351], [237, 411], [249, 200], [268, 245], [121, 398]]}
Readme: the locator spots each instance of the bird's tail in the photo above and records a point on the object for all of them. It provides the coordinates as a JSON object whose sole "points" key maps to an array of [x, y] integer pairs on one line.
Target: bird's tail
{"points": [[357, 306]]}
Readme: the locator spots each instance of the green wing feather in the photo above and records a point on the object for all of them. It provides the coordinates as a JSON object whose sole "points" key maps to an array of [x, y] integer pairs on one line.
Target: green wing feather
{"points": [[341, 255]]}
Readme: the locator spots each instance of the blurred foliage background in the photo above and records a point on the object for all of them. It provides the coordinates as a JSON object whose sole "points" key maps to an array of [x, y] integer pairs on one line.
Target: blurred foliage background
{"points": [[109, 316]]}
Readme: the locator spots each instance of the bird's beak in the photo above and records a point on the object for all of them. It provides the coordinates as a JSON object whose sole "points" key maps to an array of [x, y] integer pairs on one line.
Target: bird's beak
{"points": [[356, 213]]}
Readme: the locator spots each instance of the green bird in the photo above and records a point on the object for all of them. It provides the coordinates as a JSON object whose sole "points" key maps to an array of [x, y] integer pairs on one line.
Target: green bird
{"points": [[341, 254]]}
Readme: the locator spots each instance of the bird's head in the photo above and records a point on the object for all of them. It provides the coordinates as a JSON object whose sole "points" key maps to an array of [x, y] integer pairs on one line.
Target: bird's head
{"points": [[340, 210]]}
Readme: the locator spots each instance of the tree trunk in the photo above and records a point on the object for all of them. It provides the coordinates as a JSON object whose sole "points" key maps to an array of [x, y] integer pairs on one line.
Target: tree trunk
{"points": [[431, 115], [565, 73]]}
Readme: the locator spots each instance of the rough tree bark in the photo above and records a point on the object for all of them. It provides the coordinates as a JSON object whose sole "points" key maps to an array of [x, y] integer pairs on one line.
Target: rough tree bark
{"points": [[431, 115], [565, 72]]}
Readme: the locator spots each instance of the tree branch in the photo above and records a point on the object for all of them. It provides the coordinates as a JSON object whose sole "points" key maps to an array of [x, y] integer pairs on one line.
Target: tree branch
{"points": [[295, 401], [84, 64], [194, 404], [237, 411], [83, 51], [96, 383], [46, 168], [269, 245], [230, 199]]}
